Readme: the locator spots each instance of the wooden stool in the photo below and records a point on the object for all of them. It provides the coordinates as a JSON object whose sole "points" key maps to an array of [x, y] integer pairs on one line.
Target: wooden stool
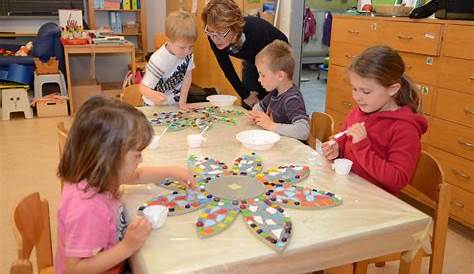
{"points": [[14, 100]]}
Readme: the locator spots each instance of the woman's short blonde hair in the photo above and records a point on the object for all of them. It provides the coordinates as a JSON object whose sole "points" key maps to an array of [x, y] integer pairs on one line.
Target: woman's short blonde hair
{"points": [[180, 25], [278, 56], [223, 14]]}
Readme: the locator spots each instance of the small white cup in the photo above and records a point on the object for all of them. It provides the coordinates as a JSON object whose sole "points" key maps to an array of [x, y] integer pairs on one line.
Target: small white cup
{"points": [[342, 166], [195, 140], [156, 215]]}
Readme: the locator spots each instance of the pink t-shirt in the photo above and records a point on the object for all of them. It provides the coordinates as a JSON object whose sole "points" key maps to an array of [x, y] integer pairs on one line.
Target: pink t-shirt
{"points": [[88, 222]]}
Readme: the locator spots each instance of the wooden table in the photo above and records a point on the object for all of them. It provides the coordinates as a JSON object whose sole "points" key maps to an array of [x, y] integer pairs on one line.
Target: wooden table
{"points": [[94, 49], [369, 223]]}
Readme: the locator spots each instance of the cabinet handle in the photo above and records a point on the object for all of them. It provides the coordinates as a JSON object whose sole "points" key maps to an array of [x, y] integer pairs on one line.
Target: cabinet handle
{"points": [[347, 104], [465, 143], [468, 111], [457, 204], [460, 173], [404, 37], [353, 31], [471, 77], [349, 56]]}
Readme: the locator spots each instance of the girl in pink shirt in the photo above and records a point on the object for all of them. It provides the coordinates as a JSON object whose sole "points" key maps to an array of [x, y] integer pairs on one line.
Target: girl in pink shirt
{"points": [[102, 151], [384, 130]]}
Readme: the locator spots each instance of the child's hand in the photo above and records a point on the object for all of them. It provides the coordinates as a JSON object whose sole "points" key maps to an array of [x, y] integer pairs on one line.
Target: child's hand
{"points": [[157, 97], [358, 132], [137, 232], [185, 176], [330, 149], [185, 107], [262, 120]]}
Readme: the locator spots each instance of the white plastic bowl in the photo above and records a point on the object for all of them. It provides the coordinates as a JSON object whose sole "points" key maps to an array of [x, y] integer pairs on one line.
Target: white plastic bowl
{"points": [[257, 139], [221, 100]]}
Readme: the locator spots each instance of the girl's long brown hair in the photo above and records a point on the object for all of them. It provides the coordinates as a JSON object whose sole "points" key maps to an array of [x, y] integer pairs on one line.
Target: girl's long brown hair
{"points": [[386, 66], [103, 131]]}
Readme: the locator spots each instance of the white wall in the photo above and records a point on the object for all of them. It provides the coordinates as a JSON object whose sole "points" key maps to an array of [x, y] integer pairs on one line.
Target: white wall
{"points": [[156, 15]]}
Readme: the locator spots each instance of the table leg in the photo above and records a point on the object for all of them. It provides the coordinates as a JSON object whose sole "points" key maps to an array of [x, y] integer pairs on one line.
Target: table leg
{"points": [[412, 267], [68, 79]]}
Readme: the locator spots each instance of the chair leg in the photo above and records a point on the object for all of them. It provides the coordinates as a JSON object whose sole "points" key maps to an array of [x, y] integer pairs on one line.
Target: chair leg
{"points": [[361, 267]]}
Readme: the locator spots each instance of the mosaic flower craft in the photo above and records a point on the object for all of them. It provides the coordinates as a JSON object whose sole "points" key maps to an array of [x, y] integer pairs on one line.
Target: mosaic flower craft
{"points": [[198, 118], [259, 196]]}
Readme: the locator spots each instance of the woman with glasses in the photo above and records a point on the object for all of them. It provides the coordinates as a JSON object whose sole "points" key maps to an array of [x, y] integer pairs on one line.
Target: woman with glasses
{"points": [[231, 34]]}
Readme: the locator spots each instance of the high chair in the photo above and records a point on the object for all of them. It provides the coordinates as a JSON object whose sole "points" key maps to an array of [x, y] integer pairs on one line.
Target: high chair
{"points": [[428, 186], [31, 227], [322, 126], [132, 96]]}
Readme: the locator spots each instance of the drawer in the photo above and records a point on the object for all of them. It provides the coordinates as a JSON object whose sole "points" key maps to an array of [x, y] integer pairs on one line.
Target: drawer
{"points": [[459, 42], [412, 37], [355, 31], [427, 93], [339, 91], [462, 205], [342, 53], [453, 138], [421, 68], [455, 106], [338, 117], [456, 74], [457, 171]]}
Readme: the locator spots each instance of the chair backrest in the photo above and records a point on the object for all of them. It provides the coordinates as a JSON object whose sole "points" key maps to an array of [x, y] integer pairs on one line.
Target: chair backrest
{"points": [[160, 39], [132, 96], [321, 127], [31, 227], [428, 181]]}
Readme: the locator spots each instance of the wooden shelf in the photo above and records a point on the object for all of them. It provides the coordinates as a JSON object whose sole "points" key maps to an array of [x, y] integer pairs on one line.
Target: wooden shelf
{"points": [[140, 19], [119, 10], [13, 35]]}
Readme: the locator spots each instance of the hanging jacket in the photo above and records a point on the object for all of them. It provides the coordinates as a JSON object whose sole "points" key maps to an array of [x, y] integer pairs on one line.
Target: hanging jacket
{"points": [[327, 29], [309, 23]]}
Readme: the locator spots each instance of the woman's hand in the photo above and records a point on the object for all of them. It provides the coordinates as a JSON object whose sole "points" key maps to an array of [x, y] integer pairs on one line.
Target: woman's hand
{"points": [[252, 99]]}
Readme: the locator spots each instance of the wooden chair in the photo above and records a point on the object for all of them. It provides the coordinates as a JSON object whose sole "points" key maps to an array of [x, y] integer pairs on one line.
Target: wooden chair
{"points": [[428, 186], [31, 227], [61, 131], [132, 96], [322, 127]]}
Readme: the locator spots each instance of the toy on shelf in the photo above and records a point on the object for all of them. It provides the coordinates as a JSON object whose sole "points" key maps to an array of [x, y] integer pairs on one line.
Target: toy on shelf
{"points": [[225, 192], [72, 28], [25, 50]]}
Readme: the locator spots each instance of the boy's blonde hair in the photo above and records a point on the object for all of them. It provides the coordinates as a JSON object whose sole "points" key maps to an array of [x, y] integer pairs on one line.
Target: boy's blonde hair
{"points": [[180, 25], [278, 56]]}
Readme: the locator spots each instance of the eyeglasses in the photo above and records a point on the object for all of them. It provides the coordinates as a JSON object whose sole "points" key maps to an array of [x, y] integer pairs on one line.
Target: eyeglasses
{"points": [[218, 35]]}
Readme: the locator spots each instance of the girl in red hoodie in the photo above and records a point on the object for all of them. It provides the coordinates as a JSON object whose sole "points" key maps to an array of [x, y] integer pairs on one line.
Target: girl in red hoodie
{"points": [[384, 130]]}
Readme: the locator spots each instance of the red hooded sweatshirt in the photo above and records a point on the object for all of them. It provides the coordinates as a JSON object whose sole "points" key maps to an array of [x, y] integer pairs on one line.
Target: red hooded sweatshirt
{"points": [[389, 155]]}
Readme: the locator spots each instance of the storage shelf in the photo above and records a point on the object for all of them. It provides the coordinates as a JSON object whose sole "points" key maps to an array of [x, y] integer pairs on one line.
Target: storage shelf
{"points": [[119, 10]]}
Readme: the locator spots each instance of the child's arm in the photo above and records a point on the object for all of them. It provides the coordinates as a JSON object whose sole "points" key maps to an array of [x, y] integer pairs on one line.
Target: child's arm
{"points": [[155, 96], [394, 170], [155, 174], [185, 90], [137, 232]]}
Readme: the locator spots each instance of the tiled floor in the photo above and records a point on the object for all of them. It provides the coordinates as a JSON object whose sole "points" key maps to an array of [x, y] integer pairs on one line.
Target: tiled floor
{"points": [[28, 160]]}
